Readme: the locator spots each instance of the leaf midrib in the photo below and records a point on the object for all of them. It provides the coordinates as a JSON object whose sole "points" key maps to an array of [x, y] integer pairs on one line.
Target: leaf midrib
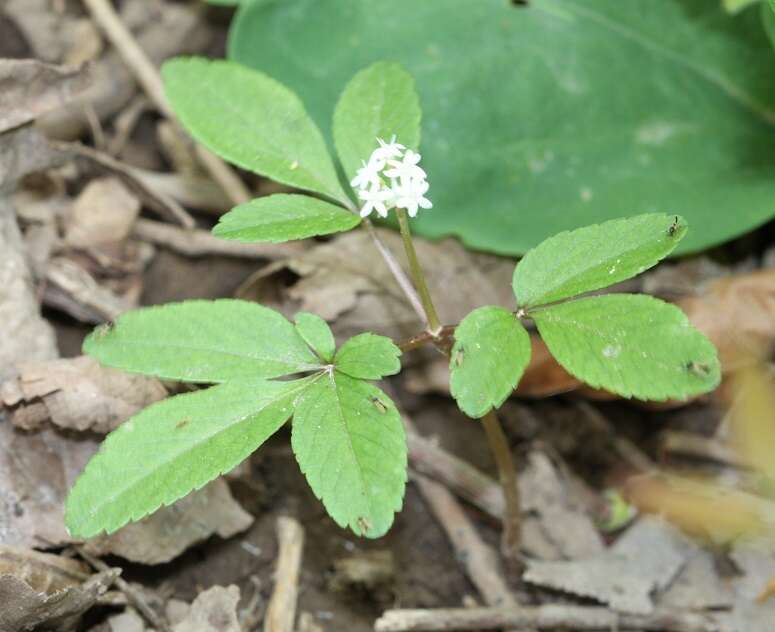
{"points": [[354, 454], [110, 498], [719, 81], [273, 147]]}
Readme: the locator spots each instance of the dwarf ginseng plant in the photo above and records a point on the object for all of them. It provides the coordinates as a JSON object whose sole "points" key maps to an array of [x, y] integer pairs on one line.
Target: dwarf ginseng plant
{"points": [[265, 370]]}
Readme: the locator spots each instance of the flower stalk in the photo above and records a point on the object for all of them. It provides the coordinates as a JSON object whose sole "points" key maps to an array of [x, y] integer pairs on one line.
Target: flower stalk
{"points": [[434, 325]]}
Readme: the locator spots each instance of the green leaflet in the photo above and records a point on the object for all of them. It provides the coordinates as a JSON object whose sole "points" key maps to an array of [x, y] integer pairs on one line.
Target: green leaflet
{"points": [[350, 443], [202, 341], [490, 354], [368, 356], [594, 257], [251, 120], [317, 334], [283, 217], [525, 132], [379, 102], [174, 447], [631, 345]]}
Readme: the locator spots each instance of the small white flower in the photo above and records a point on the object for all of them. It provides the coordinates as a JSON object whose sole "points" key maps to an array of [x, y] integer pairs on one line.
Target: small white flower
{"points": [[376, 199], [388, 150], [407, 168], [368, 174], [411, 196]]}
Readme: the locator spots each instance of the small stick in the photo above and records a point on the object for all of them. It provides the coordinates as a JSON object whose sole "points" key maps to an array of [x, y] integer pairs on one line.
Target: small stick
{"points": [[631, 453], [548, 617], [479, 560], [398, 272], [459, 476], [156, 200], [133, 595], [709, 448], [281, 612], [194, 242], [148, 77]]}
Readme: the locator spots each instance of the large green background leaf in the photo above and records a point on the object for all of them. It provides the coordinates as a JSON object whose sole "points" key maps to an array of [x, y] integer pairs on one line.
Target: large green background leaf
{"points": [[554, 116], [768, 17]]}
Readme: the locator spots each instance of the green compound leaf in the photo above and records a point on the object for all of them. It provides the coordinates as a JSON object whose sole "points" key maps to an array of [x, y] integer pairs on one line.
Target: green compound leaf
{"points": [[594, 257], [317, 334], [350, 443], [491, 351], [516, 141], [252, 121], [202, 341], [368, 357], [630, 344], [283, 217], [379, 101], [174, 447]]}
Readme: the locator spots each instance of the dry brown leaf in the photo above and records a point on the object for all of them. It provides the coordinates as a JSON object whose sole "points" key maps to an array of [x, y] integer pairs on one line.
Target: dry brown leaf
{"points": [[163, 30], [214, 610], [345, 281], [128, 621], [30, 88], [752, 419], [43, 572], [36, 471], [737, 313], [703, 509], [167, 533], [562, 519], [73, 289], [26, 336], [24, 151], [25, 608], [103, 213], [77, 394], [644, 560]]}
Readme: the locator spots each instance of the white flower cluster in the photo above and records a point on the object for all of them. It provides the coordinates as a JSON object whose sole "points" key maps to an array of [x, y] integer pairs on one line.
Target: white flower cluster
{"points": [[408, 184]]}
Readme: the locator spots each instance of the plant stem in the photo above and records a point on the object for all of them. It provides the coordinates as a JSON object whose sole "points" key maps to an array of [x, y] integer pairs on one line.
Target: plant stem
{"points": [[512, 516], [499, 445], [434, 325], [398, 273]]}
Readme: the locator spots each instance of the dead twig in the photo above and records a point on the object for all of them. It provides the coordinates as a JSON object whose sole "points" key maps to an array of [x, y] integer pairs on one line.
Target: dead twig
{"points": [[708, 448], [193, 242], [281, 612], [631, 453], [148, 76], [459, 476], [156, 200], [479, 560], [72, 289], [548, 617], [396, 270], [133, 595]]}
